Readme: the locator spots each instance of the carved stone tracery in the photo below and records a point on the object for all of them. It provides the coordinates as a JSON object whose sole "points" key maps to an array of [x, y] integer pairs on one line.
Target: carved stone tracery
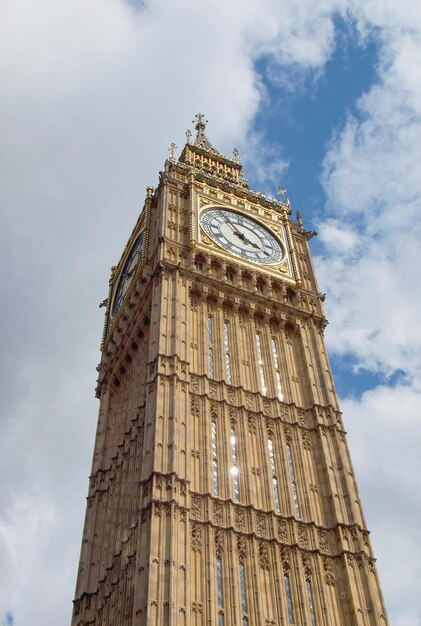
{"points": [[182, 282]]}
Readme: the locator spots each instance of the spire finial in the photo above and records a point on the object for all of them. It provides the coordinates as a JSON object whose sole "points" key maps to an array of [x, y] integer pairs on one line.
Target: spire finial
{"points": [[201, 140], [188, 135], [236, 155], [200, 122], [281, 192], [171, 151]]}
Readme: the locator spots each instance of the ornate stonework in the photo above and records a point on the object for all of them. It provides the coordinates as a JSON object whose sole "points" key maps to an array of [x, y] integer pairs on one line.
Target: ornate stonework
{"points": [[222, 490]]}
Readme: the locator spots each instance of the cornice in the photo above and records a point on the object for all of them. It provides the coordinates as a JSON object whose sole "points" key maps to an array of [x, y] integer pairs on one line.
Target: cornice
{"points": [[204, 287], [253, 403], [237, 189], [280, 529]]}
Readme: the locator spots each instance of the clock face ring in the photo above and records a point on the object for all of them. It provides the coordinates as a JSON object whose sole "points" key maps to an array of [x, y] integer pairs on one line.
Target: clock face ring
{"points": [[125, 279], [242, 236]]}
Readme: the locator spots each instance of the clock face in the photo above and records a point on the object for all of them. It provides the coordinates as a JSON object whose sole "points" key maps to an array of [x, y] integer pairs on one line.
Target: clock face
{"points": [[127, 274], [242, 236]]}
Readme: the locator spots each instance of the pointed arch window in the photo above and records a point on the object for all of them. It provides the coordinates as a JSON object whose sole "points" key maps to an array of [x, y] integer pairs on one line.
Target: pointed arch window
{"points": [[260, 364], [287, 587], [227, 352], [293, 481], [243, 594], [215, 459], [234, 465], [310, 602], [277, 370], [220, 591], [274, 475], [210, 347]]}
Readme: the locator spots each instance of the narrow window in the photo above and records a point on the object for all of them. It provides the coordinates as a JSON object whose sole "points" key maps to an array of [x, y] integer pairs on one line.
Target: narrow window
{"points": [[274, 475], [289, 600], [234, 467], [229, 276], [293, 481], [220, 592], [259, 287], [260, 363], [198, 265], [215, 460], [310, 602], [277, 370], [227, 352], [210, 347], [243, 594], [243, 588]]}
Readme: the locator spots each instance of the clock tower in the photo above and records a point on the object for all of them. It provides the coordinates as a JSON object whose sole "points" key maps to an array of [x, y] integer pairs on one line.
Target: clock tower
{"points": [[222, 491]]}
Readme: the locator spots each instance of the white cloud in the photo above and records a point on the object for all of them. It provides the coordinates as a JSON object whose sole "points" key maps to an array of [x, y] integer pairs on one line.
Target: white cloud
{"points": [[374, 190], [91, 95], [340, 237], [385, 439], [263, 162], [373, 187]]}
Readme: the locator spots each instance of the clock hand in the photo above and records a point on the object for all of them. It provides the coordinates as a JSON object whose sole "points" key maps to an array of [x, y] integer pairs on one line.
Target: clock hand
{"points": [[255, 246], [241, 235], [246, 240], [220, 213], [226, 220], [259, 248]]}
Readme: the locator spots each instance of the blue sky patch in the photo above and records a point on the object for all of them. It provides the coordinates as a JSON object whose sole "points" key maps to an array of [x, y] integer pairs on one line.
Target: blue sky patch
{"points": [[299, 121], [351, 382]]}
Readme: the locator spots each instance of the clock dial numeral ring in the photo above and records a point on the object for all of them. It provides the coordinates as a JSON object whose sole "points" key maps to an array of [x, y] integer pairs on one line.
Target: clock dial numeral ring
{"points": [[242, 236], [129, 270]]}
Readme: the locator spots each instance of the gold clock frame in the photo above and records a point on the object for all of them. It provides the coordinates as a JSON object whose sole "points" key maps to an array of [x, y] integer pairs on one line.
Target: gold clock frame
{"points": [[142, 225], [277, 223]]}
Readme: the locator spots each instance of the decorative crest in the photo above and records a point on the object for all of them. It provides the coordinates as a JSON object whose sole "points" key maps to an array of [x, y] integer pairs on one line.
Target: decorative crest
{"points": [[188, 135], [236, 156]]}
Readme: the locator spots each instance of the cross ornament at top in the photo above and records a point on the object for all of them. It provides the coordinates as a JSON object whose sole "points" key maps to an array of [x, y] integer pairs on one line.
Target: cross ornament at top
{"points": [[282, 191], [200, 121]]}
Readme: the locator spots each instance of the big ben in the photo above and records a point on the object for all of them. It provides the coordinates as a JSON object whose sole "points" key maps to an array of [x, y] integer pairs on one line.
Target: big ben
{"points": [[222, 491]]}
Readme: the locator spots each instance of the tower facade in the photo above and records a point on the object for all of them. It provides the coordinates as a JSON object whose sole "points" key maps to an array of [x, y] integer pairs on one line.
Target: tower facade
{"points": [[222, 491]]}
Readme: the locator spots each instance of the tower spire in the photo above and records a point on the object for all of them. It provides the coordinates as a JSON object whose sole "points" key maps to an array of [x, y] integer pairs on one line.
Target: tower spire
{"points": [[200, 121], [201, 139]]}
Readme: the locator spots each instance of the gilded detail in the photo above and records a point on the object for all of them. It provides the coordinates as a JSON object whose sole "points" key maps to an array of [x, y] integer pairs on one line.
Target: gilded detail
{"points": [[221, 490]]}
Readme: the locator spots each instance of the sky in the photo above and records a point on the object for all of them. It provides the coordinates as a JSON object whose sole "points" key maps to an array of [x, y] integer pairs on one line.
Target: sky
{"points": [[324, 98]]}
